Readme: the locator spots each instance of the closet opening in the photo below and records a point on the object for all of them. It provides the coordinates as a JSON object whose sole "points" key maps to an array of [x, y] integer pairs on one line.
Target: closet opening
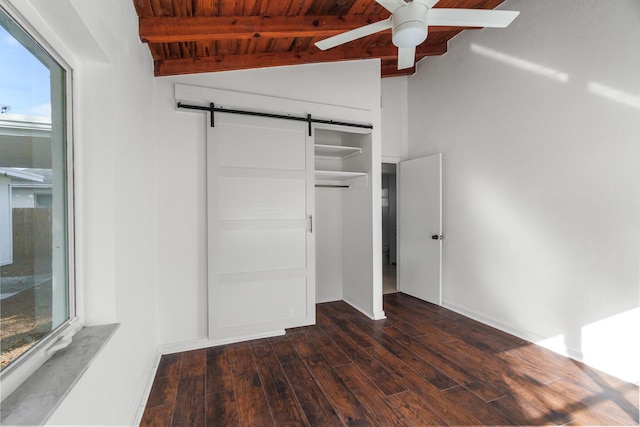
{"points": [[389, 234], [343, 216]]}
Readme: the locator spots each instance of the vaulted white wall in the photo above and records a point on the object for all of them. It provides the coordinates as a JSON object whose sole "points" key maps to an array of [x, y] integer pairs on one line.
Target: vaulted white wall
{"points": [[539, 127], [394, 119]]}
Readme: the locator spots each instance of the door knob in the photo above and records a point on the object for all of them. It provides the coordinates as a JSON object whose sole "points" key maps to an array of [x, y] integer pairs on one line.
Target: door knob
{"points": [[437, 237]]}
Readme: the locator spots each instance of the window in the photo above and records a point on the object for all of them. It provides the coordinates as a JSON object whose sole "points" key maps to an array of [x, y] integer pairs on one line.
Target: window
{"points": [[36, 286]]}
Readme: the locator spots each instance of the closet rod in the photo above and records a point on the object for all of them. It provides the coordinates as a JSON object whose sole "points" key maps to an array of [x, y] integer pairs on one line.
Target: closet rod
{"points": [[332, 186], [212, 109]]}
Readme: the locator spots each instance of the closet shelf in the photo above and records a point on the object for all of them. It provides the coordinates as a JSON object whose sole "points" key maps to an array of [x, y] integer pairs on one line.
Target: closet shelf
{"points": [[338, 151], [338, 175]]}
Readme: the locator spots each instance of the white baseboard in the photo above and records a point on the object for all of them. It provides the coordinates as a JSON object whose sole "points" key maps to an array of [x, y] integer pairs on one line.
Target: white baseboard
{"points": [[142, 401], [545, 342], [379, 315], [369, 315], [187, 346], [181, 346], [204, 342]]}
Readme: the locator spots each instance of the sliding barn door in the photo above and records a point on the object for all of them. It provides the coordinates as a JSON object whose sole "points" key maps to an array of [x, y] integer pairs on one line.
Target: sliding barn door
{"points": [[260, 191]]}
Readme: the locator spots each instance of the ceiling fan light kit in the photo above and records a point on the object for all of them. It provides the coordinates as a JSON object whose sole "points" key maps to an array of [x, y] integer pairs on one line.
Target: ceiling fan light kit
{"points": [[409, 23]]}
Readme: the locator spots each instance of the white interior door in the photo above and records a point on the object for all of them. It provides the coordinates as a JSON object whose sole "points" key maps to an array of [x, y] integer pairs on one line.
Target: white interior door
{"points": [[260, 191], [419, 221]]}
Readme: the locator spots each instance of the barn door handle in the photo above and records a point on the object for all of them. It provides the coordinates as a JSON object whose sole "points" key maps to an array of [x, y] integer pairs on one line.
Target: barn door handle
{"points": [[437, 237], [310, 223]]}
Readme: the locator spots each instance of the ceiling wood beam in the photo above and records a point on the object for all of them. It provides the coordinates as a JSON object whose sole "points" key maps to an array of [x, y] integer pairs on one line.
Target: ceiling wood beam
{"points": [[170, 67], [202, 28], [143, 7]]}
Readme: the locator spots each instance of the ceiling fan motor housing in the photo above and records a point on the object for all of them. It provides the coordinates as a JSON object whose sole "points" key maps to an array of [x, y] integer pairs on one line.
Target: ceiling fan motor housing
{"points": [[409, 25]]}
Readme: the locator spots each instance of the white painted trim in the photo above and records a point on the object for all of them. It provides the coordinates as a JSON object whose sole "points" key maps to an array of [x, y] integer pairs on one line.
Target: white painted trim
{"points": [[379, 315], [146, 391], [24, 366], [37, 399], [440, 231], [179, 347], [525, 335], [204, 342], [339, 128], [369, 315], [29, 362], [392, 159]]}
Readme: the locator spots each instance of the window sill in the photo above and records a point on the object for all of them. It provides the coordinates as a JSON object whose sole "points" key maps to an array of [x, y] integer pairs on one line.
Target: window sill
{"points": [[36, 399]]}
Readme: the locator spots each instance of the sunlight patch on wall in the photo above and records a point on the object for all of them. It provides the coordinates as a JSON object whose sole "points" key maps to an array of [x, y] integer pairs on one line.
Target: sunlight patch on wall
{"points": [[556, 344], [606, 345], [614, 94], [537, 264], [520, 63]]}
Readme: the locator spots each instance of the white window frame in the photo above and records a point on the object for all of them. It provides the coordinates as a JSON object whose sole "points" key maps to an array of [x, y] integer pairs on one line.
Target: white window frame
{"points": [[23, 367]]}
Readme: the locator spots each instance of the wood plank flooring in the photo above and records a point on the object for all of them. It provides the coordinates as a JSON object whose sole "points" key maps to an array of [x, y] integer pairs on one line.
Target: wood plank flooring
{"points": [[424, 365]]}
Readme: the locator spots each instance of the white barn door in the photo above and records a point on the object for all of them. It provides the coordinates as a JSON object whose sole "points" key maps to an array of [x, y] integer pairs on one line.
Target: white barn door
{"points": [[261, 261], [420, 228]]}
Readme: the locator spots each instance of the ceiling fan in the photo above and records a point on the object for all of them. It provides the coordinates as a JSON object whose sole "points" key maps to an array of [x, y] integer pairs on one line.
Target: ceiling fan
{"points": [[409, 23]]}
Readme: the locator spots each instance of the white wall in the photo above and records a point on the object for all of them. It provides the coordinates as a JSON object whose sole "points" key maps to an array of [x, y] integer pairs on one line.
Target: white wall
{"points": [[329, 253], [182, 274], [539, 127], [115, 198], [22, 198], [357, 225], [395, 143], [328, 225]]}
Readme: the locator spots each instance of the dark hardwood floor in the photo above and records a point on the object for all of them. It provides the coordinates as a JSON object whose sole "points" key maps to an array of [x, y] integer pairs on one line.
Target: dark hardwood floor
{"points": [[424, 365]]}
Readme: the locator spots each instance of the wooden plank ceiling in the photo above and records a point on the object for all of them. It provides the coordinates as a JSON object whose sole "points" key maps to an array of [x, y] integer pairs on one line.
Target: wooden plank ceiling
{"points": [[198, 36]]}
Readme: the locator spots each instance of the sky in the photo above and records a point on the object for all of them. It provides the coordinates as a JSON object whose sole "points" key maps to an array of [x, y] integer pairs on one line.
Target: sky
{"points": [[24, 81]]}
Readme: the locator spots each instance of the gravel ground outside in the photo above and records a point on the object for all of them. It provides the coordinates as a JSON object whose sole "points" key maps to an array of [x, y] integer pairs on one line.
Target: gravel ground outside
{"points": [[25, 316]]}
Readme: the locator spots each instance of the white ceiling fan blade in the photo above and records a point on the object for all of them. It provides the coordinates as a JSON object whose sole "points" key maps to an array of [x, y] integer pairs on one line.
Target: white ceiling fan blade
{"points": [[391, 5], [354, 34], [428, 3], [472, 17], [406, 57]]}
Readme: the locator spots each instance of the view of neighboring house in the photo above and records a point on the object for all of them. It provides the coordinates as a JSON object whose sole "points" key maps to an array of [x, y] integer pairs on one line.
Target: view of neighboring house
{"points": [[25, 142], [20, 188], [32, 193], [25, 232]]}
